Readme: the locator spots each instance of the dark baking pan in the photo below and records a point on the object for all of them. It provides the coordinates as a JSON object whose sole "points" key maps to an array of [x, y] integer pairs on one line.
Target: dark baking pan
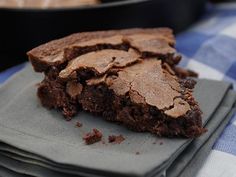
{"points": [[23, 29]]}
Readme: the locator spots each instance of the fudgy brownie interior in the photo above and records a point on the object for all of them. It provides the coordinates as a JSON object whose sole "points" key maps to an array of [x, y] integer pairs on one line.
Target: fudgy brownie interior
{"points": [[127, 76]]}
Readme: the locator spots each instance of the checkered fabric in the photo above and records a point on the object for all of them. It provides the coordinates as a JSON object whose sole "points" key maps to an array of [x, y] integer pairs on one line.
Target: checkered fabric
{"points": [[209, 48]]}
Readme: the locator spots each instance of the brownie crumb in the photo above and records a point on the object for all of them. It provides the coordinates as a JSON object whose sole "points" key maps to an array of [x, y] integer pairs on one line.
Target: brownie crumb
{"points": [[161, 143], [68, 118], [92, 137], [115, 139], [111, 138], [137, 153], [79, 124]]}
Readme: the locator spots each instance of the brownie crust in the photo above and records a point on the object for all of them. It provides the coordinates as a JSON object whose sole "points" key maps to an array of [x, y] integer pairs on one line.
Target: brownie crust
{"points": [[126, 76], [59, 51]]}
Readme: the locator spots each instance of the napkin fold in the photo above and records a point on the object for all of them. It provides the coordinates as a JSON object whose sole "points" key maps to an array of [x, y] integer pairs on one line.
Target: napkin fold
{"points": [[190, 161], [39, 142]]}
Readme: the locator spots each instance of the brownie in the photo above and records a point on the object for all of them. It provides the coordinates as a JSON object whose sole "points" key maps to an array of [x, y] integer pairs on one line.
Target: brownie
{"points": [[126, 76]]}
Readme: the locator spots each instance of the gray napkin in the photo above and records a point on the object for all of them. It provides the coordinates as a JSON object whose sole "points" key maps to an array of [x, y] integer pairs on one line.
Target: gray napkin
{"points": [[44, 135], [189, 170], [196, 162], [186, 156], [4, 172], [190, 161]]}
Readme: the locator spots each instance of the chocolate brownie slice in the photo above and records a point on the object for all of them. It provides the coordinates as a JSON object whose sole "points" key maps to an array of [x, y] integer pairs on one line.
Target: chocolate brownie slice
{"points": [[125, 76]]}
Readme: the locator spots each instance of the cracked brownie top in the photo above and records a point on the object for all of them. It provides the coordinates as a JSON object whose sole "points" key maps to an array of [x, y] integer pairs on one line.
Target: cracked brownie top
{"points": [[158, 42], [128, 76], [144, 81]]}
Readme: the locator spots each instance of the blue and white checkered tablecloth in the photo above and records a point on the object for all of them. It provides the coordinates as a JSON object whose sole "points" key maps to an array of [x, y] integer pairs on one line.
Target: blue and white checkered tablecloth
{"points": [[209, 48]]}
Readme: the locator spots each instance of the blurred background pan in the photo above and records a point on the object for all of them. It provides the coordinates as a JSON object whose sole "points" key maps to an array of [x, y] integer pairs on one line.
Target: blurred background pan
{"points": [[22, 29]]}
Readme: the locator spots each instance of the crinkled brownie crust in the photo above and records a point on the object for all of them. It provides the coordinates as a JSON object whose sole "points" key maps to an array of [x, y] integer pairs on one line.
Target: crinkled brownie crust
{"points": [[126, 76]]}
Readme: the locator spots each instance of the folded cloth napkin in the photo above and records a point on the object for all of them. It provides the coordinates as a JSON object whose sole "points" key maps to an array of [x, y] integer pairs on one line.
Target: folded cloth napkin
{"points": [[39, 142], [203, 145], [190, 160], [181, 162], [189, 169], [4, 172]]}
